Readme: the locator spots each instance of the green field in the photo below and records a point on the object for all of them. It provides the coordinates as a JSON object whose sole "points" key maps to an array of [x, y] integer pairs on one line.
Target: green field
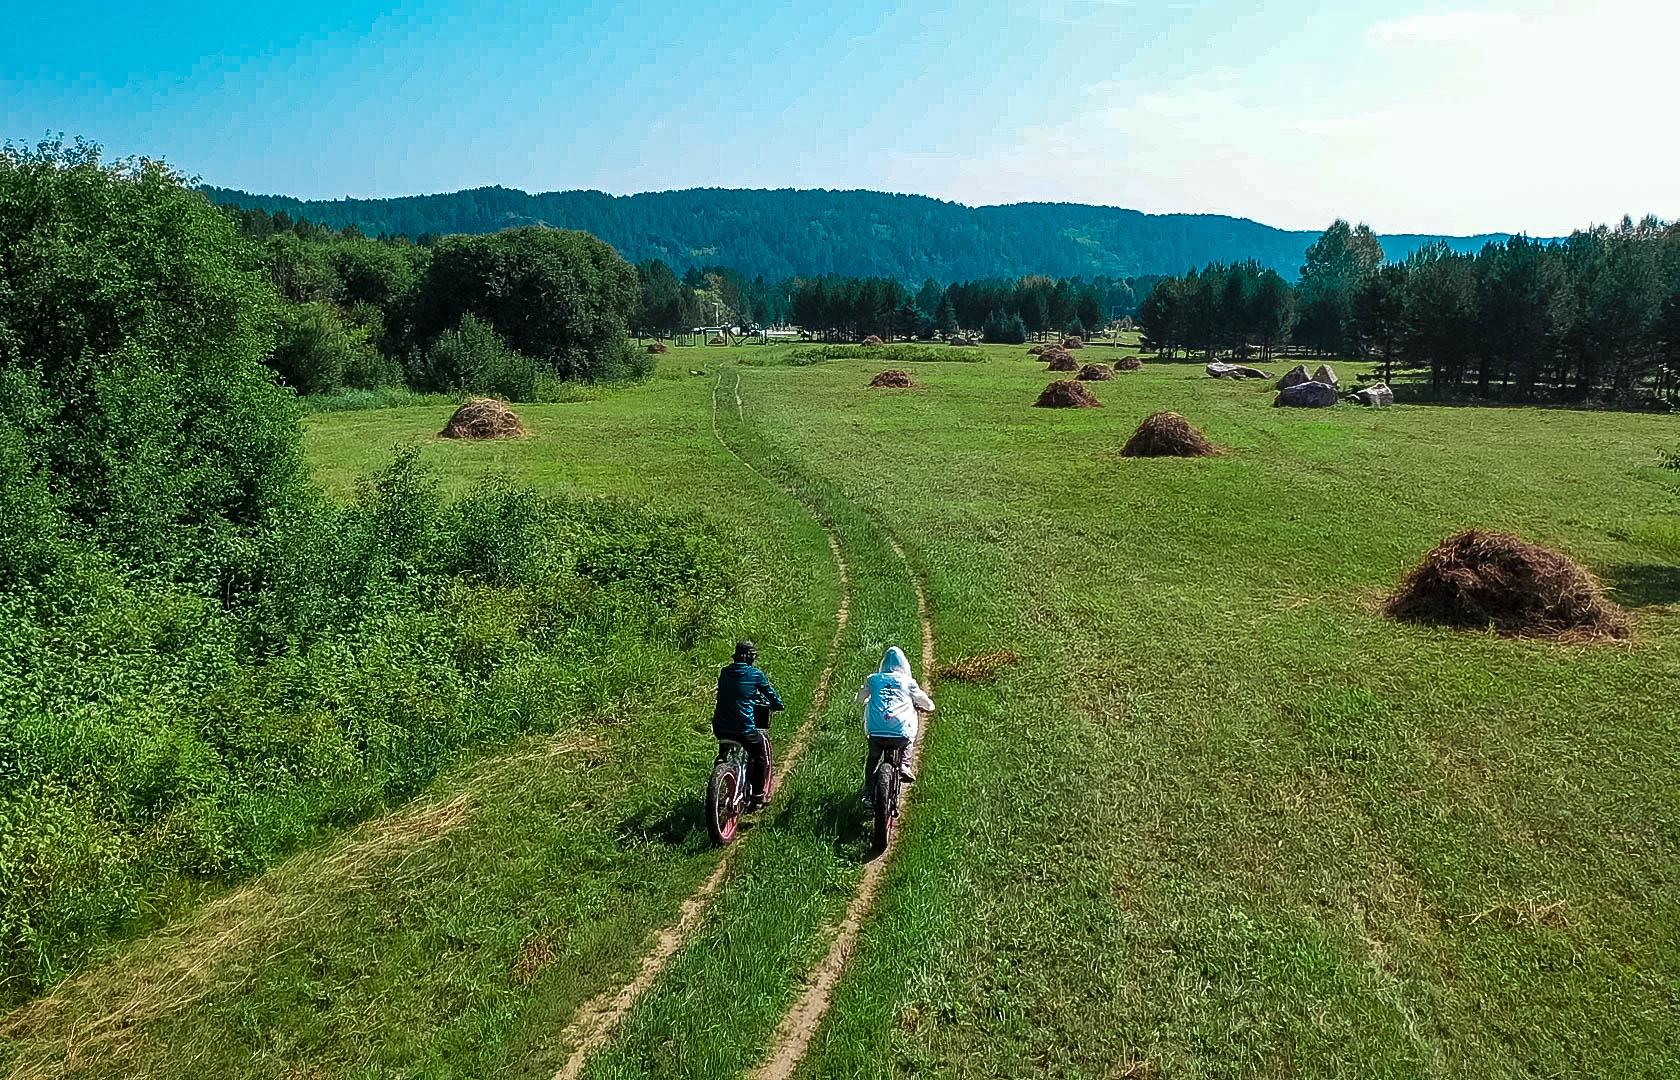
{"points": [[1221, 819]]}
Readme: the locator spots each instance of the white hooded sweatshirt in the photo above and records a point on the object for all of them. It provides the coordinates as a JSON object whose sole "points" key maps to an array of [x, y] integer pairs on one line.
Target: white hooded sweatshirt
{"points": [[891, 698]]}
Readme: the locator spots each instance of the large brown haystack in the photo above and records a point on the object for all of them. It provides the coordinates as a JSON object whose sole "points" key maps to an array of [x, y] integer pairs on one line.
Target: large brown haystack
{"points": [[1167, 434], [1128, 363], [873, 339], [894, 378], [1095, 373], [658, 347], [1060, 360], [1478, 580], [483, 418], [1073, 341], [1067, 394]]}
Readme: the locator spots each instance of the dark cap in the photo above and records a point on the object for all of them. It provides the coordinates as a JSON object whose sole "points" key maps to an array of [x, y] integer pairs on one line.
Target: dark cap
{"points": [[746, 652]]}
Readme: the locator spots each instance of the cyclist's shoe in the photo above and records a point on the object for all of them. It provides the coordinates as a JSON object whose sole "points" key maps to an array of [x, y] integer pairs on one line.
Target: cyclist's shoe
{"points": [[906, 775], [757, 803], [868, 799]]}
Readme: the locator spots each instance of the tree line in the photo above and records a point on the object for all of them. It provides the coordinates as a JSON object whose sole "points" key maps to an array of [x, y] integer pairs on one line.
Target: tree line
{"points": [[1594, 317], [836, 307], [509, 313]]}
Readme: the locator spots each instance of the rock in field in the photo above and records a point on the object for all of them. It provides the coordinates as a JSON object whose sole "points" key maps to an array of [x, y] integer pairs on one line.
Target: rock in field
{"points": [[1377, 396], [1326, 374], [1235, 371], [1294, 377], [1307, 395]]}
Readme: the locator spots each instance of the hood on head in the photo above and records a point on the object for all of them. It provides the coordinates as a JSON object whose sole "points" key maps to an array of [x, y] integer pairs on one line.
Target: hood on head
{"points": [[895, 662]]}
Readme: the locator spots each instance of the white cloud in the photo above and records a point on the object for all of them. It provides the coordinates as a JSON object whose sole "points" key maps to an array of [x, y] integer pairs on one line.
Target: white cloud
{"points": [[1442, 27]]}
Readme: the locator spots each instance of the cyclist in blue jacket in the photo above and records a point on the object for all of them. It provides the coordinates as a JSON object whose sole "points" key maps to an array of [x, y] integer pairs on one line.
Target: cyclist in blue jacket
{"points": [[745, 699]]}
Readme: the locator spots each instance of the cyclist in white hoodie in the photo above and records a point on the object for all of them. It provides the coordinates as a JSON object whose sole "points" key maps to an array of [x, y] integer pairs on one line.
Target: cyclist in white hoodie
{"points": [[891, 699]]}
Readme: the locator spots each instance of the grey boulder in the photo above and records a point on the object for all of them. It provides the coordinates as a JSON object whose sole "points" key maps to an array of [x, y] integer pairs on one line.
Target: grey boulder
{"points": [[1326, 374], [1235, 371], [1295, 377], [1307, 395]]}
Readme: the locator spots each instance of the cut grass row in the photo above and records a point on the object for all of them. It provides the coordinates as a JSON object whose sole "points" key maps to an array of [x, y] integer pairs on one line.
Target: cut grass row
{"points": [[1224, 819]]}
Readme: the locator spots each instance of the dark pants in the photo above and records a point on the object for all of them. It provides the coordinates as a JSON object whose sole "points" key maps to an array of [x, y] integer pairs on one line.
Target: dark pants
{"points": [[757, 761], [878, 745]]}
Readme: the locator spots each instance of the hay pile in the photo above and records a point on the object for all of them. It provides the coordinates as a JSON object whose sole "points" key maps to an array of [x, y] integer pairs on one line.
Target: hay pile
{"points": [[873, 339], [1167, 434], [658, 347], [483, 418], [1059, 360], [980, 668], [1095, 373], [1035, 350], [1478, 580], [1128, 363], [894, 378], [1073, 341], [1067, 394]]}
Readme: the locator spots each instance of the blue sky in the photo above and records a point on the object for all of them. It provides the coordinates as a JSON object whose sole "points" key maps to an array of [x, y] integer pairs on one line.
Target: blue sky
{"points": [[1413, 116]]}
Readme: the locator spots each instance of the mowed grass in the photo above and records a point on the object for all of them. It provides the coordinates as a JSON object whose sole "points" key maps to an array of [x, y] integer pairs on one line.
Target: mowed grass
{"points": [[1224, 819]]}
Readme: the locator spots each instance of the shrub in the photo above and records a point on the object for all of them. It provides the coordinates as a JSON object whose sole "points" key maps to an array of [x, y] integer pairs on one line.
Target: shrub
{"points": [[317, 352], [474, 358]]}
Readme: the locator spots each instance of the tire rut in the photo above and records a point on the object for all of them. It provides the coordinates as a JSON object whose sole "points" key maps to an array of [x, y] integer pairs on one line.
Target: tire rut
{"points": [[595, 1021], [799, 1028]]}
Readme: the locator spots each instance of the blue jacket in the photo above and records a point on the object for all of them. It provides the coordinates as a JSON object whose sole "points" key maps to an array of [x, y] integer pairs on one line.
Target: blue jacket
{"points": [[742, 690]]}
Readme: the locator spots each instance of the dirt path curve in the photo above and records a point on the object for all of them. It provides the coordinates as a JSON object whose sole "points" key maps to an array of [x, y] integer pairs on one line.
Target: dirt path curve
{"points": [[596, 1020], [800, 1026]]}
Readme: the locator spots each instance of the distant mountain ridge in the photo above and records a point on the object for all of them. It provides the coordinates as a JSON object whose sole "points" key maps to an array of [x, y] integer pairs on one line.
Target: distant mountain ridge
{"points": [[786, 232]]}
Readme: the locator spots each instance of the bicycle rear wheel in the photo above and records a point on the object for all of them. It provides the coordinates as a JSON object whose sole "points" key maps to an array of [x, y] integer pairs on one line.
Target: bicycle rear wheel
{"points": [[884, 789]]}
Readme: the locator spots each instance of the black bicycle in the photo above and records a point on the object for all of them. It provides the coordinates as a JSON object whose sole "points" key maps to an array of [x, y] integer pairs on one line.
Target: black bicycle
{"points": [[886, 785]]}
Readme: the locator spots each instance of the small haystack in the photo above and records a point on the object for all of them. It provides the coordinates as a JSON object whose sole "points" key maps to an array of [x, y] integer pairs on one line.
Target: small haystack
{"points": [[1067, 394], [1073, 341], [980, 668], [892, 377], [1095, 373], [873, 339], [1129, 363], [1167, 434], [658, 347], [483, 418], [1035, 350], [1480, 580], [1060, 360]]}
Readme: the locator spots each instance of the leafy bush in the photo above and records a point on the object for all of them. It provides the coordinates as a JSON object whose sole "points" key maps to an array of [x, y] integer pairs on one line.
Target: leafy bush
{"points": [[474, 358], [317, 352]]}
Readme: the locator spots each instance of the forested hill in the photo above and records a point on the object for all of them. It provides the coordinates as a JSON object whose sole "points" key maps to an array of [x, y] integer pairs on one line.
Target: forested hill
{"points": [[786, 232]]}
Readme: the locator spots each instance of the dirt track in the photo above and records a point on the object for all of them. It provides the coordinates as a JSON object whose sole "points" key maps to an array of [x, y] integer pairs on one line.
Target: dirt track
{"points": [[799, 1027], [596, 1020]]}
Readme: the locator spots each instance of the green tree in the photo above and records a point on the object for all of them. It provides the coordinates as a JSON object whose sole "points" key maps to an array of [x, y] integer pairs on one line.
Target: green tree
{"points": [[1335, 265], [558, 296]]}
